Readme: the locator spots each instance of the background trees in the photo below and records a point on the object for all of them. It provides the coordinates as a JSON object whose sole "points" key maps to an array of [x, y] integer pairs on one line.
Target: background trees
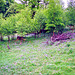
{"points": [[2, 6], [29, 17], [40, 19], [70, 14], [54, 15], [8, 27], [23, 25], [1, 30]]}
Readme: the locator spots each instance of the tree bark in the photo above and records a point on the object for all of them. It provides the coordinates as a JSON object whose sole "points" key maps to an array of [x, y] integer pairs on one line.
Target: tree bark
{"points": [[53, 33], [44, 34], [1, 38], [35, 35], [48, 34], [8, 38], [13, 37]]}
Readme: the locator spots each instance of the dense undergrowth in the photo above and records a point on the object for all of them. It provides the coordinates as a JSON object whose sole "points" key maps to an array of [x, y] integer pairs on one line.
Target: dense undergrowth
{"points": [[34, 57]]}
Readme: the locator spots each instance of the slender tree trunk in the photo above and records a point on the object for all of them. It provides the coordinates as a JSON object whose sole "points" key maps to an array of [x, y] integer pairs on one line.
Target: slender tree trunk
{"points": [[13, 37], [44, 34], [1, 38], [8, 38], [53, 33], [35, 35], [48, 34], [58, 33], [40, 34]]}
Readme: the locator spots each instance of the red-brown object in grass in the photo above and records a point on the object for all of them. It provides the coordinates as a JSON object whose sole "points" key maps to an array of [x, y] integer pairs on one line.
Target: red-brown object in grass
{"points": [[8, 46], [21, 38]]}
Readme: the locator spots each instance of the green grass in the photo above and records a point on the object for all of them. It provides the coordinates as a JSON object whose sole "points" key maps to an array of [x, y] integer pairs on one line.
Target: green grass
{"points": [[36, 58]]}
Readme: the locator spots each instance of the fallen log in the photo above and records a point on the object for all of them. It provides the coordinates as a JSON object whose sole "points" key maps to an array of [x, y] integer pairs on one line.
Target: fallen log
{"points": [[62, 37]]}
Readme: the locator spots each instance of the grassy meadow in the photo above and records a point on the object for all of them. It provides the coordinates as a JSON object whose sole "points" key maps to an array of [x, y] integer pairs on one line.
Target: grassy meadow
{"points": [[34, 57]]}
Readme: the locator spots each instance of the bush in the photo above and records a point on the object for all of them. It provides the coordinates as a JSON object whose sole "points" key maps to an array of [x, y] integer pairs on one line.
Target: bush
{"points": [[50, 27]]}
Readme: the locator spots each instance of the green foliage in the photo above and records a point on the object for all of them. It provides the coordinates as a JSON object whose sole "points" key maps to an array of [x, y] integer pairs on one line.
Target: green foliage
{"points": [[34, 26], [33, 3], [10, 1], [1, 21], [70, 51], [53, 13], [50, 27], [26, 25], [70, 14], [21, 26], [7, 7], [40, 18], [60, 27], [24, 20], [1, 15], [8, 25], [68, 45], [2, 6], [64, 17], [19, 7], [50, 17], [11, 10]]}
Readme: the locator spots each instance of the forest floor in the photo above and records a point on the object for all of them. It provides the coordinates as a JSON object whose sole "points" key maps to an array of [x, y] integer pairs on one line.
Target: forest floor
{"points": [[34, 57]]}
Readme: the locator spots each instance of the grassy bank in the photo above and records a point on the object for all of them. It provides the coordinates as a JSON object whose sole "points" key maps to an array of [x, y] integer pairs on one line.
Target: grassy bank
{"points": [[36, 58]]}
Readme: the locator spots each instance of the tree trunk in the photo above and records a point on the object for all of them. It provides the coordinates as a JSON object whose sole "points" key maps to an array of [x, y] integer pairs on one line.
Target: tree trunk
{"points": [[35, 35], [39, 35], [13, 37], [44, 34], [58, 33], [1, 38], [8, 38], [53, 33], [48, 34]]}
